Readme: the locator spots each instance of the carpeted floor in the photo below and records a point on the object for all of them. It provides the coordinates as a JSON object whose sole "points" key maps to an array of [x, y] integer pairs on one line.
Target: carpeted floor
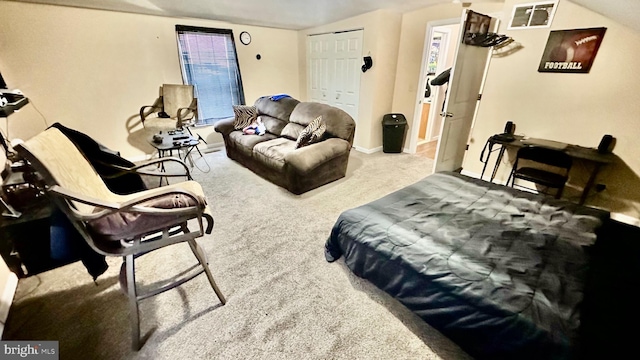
{"points": [[266, 253]]}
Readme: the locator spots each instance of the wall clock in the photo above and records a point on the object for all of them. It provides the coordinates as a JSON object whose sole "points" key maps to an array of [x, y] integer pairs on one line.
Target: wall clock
{"points": [[245, 38]]}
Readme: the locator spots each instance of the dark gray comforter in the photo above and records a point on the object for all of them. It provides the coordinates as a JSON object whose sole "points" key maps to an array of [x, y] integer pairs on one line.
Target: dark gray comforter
{"points": [[498, 270]]}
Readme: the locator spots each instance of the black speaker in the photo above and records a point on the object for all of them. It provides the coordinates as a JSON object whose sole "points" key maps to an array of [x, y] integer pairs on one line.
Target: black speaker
{"points": [[606, 144], [368, 63], [509, 128]]}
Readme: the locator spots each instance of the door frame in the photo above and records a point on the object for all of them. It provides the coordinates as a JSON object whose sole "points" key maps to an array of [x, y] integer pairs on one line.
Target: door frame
{"points": [[413, 139], [494, 26], [434, 110]]}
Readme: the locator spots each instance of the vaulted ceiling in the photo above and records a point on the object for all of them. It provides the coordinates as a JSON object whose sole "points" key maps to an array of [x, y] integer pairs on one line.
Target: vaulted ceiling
{"points": [[301, 14]]}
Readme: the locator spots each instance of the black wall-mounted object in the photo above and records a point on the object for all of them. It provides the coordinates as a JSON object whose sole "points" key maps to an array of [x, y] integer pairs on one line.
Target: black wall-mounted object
{"points": [[607, 144], [368, 63], [509, 127], [3, 85]]}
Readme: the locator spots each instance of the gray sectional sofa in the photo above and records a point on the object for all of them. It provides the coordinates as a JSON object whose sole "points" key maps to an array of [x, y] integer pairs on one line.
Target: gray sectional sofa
{"points": [[274, 156]]}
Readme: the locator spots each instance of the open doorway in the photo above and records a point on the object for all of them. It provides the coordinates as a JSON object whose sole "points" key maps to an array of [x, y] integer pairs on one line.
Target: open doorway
{"points": [[439, 55]]}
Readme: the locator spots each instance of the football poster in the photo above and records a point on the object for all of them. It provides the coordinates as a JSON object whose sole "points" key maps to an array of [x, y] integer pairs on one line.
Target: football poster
{"points": [[571, 51]]}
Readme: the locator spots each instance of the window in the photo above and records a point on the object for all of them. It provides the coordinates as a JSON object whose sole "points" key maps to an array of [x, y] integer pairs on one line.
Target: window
{"points": [[533, 15], [209, 62]]}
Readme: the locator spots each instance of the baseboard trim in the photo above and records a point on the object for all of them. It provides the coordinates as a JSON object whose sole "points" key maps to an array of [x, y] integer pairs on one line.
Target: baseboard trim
{"points": [[470, 174], [368, 151], [211, 147], [625, 219]]}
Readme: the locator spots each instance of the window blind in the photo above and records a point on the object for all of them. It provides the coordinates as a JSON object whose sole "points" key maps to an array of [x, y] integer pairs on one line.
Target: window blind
{"points": [[209, 61]]}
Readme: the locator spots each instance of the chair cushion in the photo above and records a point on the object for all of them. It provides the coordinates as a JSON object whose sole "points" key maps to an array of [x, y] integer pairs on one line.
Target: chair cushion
{"points": [[122, 225], [542, 177], [156, 124]]}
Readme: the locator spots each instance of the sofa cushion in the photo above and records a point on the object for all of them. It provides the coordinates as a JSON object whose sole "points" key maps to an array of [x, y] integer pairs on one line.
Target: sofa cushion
{"points": [[273, 125], [312, 133], [280, 109], [272, 152], [339, 123], [244, 116], [292, 131], [246, 143], [310, 157]]}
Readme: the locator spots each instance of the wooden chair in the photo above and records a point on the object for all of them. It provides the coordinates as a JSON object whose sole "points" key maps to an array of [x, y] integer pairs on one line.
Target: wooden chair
{"points": [[120, 225], [533, 167]]}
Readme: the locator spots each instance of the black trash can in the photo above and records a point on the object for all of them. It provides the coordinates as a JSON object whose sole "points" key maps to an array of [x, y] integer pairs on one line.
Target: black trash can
{"points": [[394, 128]]}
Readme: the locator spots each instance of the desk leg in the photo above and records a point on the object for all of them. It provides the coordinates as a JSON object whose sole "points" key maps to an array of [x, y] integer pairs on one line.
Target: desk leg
{"points": [[484, 167], [589, 185], [497, 165]]}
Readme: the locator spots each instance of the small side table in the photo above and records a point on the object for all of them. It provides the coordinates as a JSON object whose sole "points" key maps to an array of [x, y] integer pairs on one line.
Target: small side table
{"points": [[166, 142], [174, 140]]}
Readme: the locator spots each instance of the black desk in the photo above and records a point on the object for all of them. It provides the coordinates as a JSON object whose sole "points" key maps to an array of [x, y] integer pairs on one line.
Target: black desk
{"points": [[575, 151]]}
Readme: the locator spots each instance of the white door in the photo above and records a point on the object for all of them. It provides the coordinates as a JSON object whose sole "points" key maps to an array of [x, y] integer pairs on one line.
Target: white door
{"points": [[347, 60], [462, 96], [334, 62], [318, 65]]}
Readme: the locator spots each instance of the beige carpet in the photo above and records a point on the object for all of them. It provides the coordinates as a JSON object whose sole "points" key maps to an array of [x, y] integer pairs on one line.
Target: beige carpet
{"points": [[266, 253]]}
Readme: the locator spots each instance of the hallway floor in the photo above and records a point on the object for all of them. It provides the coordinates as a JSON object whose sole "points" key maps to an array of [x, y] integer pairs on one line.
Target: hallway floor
{"points": [[427, 149]]}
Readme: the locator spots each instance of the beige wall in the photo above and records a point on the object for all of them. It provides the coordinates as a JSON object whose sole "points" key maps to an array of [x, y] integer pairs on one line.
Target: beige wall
{"points": [[411, 46], [92, 70], [572, 108], [380, 41]]}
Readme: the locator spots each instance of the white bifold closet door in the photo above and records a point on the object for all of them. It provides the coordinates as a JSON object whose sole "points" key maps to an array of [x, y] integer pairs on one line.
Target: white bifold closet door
{"points": [[334, 64]]}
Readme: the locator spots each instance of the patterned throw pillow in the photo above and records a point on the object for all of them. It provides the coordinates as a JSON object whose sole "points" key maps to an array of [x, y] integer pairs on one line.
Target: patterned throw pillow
{"points": [[245, 116], [312, 133]]}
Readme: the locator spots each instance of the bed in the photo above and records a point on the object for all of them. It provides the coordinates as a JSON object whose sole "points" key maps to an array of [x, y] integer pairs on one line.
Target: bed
{"points": [[500, 271]]}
